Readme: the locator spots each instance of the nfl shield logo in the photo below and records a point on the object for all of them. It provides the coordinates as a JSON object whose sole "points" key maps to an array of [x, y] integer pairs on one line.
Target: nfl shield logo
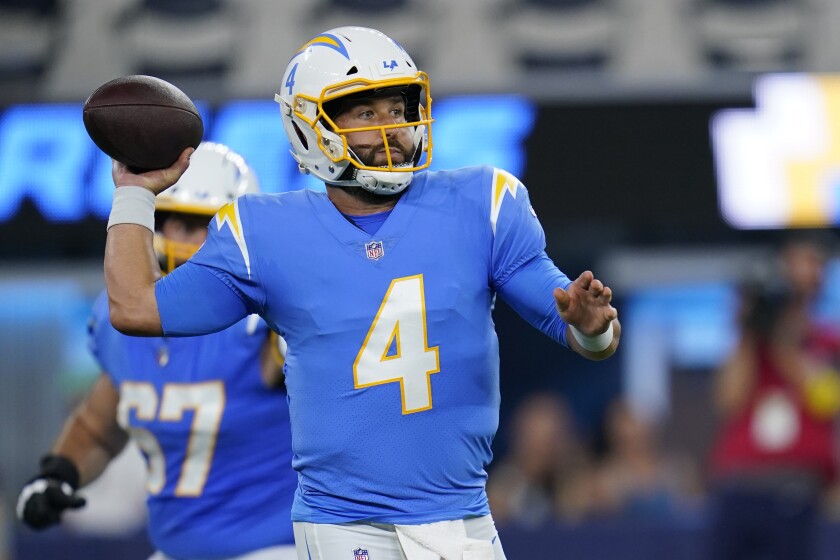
{"points": [[374, 250], [360, 553]]}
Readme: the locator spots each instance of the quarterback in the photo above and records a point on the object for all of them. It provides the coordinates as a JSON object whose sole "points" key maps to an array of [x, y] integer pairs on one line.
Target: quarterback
{"points": [[383, 287]]}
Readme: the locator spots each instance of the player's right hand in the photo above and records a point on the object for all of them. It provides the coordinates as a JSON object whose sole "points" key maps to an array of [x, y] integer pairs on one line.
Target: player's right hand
{"points": [[45, 497], [156, 180]]}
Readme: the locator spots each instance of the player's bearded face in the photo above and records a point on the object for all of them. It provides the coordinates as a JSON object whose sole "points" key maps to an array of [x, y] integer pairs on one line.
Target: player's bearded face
{"points": [[374, 154], [369, 146]]}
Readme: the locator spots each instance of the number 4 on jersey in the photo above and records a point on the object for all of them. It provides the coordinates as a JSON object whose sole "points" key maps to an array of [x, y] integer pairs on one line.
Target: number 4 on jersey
{"points": [[396, 348]]}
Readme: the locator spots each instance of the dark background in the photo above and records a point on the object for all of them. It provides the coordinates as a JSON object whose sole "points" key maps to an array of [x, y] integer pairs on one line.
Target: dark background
{"points": [[599, 174]]}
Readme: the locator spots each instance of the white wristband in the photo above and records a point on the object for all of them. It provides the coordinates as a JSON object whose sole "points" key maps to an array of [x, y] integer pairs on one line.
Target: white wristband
{"points": [[133, 205], [594, 343]]}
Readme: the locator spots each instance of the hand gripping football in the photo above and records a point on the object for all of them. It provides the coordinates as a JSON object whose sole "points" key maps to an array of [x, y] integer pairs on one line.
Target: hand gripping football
{"points": [[142, 121]]}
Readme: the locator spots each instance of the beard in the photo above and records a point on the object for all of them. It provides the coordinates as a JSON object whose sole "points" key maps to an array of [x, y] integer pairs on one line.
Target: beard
{"points": [[372, 155]]}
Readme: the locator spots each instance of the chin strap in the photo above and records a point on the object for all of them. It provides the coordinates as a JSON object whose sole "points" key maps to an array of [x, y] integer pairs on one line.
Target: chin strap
{"points": [[384, 182]]}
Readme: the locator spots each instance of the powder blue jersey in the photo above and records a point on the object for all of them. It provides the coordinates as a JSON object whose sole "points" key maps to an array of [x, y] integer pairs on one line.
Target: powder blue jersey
{"points": [[392, 365], [216, 440]]}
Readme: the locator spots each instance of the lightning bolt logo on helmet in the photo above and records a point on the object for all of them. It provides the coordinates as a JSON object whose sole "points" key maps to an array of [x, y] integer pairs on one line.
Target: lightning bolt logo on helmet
{"points": [[325, 40]]}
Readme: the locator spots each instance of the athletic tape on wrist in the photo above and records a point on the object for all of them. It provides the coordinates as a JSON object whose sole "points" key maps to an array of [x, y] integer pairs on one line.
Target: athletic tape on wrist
{"points": [[133, 205], [594, 343]]}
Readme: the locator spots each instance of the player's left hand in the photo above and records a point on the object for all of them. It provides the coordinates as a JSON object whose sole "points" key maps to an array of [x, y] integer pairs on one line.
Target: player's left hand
{"points": [[585, 304]]}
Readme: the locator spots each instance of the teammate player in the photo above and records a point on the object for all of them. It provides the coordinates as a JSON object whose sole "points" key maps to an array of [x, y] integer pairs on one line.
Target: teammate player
{"points": [[383, 288], [209, 412]]}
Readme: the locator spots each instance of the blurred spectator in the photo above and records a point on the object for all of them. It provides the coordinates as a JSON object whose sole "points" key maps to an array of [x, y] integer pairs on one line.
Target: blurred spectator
{"points": [[637, 479], [544, 473], [777, 395]]}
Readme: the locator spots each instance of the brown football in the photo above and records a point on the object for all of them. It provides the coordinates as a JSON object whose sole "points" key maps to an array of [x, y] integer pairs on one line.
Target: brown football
{"points": [[142, 121]]}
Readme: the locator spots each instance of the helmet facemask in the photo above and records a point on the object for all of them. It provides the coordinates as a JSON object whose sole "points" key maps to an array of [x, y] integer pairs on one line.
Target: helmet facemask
{"points": [[408, 136], [172, 254]]}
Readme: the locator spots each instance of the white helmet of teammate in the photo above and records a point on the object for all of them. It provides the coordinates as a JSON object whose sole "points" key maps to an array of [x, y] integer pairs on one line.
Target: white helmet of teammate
{"points": [[360, 62], [216, 175]]}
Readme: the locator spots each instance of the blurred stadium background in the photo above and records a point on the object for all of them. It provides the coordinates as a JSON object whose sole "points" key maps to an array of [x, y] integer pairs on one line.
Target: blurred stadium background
{"points": [[649, 133]]}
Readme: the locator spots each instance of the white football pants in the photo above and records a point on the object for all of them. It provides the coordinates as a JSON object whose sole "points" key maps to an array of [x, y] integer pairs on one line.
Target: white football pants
{"points": [[475, 538]]}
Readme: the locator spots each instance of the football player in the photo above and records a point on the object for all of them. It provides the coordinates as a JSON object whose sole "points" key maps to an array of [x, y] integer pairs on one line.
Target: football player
{"points": [[209, 412], [383, 288]]}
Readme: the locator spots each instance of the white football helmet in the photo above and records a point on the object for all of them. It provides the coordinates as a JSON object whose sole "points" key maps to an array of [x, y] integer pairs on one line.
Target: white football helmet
{"points": [[349, 61], [216, 175]]}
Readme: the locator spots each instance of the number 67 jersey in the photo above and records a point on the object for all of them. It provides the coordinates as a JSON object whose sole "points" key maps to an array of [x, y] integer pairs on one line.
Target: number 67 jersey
{"points": [[216, 440], [392, 362]]}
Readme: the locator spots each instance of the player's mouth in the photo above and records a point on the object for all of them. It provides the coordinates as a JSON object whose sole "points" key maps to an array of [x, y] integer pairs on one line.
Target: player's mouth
{"points": [[396, 156]]}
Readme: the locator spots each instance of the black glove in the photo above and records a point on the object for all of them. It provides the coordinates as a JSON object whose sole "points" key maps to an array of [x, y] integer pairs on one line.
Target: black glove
{"points": [[48, 494]]}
